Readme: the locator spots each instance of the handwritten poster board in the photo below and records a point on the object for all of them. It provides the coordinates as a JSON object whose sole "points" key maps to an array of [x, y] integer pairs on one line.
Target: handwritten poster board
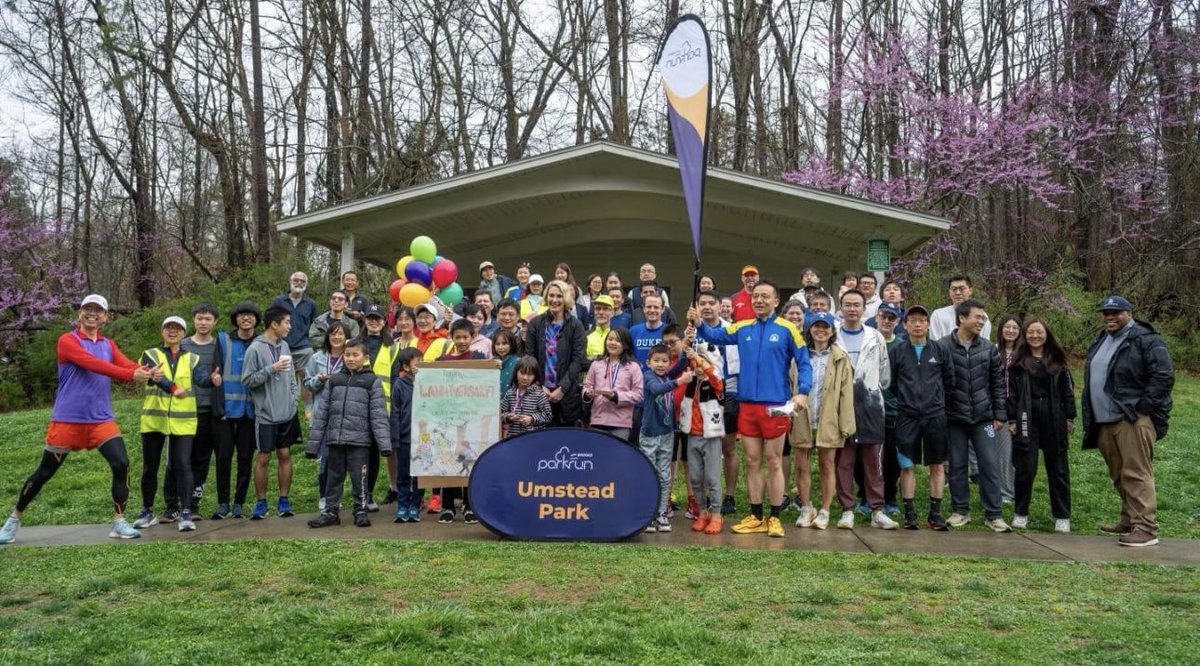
{"points": [[456, 416]]}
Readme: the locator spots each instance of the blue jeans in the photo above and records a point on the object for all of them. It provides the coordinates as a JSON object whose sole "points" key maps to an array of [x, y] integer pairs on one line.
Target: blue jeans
{"points": [[980, 437]]}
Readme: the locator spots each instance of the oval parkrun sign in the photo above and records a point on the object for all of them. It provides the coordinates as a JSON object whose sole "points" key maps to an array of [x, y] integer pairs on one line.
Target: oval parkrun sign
{"points": [[564, 484]]}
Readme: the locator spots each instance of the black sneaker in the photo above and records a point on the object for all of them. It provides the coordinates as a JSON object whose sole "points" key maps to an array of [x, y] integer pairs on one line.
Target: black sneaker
{"points": [[325, 520], [222, 512], [446, 517], [169, 516], [937, 523], [728, 507], [390, 497], [469, 517], [910, 521], [361, 520]]}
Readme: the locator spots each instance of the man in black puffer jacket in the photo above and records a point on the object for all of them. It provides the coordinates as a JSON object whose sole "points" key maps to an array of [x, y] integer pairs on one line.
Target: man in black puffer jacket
{"points": [[1127, 386], [352, 416], [975, 410]]}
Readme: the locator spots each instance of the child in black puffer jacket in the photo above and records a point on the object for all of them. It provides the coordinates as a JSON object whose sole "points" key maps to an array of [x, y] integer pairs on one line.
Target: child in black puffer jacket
{"points": [[351, 418]]}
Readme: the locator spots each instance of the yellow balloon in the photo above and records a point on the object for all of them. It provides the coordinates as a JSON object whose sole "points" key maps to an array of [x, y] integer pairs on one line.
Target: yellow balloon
{"points": [[404, 261], [413, 294]]}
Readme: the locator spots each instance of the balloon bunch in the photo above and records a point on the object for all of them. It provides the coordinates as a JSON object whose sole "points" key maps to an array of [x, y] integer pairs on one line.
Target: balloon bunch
{"points": [[424, 273]]}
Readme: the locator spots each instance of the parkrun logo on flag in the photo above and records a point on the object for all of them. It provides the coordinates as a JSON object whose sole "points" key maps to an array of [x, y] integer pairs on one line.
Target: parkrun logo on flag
{"points": [[564, 483], [564, 460], [683, 54]]}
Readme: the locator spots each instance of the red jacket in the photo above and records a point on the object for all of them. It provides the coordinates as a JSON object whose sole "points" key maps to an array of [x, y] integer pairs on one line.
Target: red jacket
{"points": [[742, 309]]}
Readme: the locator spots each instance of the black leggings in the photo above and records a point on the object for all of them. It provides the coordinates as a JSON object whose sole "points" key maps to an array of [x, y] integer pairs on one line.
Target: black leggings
{"points": [[180, 452], [113, 451], [202, 453]]}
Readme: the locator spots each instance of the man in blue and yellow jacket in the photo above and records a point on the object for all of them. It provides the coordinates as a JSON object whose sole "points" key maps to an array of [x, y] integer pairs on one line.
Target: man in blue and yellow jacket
{"points": [[767, 346]]}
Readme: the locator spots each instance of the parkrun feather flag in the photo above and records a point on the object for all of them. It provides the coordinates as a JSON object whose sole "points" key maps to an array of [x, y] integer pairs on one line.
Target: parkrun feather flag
{"points": [[686, 65]]}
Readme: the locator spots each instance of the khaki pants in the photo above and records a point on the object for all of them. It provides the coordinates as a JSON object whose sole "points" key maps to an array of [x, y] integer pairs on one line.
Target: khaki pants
{"points": [[1128, 449]]}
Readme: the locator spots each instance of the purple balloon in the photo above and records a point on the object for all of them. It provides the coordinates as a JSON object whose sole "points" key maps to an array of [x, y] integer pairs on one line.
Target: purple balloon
{"points": [[419, 272]]}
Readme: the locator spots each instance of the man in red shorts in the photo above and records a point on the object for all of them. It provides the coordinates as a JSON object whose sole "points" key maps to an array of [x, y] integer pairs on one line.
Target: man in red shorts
{"points": [[767, 347], [82, 418]]}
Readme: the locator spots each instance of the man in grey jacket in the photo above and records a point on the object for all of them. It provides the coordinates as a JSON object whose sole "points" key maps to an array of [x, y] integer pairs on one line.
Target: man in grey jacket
{"points": [[267, 373]]}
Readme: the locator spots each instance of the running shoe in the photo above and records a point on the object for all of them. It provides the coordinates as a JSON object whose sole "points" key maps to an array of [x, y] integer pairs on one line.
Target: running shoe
{"points": [[1062, 525], [998, 525], [807, 516], [169, 516], [122, 530], [185, 522], [325, 519], [239, 511], [786, 503], [910, 521], [435, 504], [446, 517], [793, 504], [469, 517], [663, 522], [145, 519], [284, 508], [937, 523], [1138, 539], [414, 513], [653, 526], [822, 520], [222, 512], [750, 525], [958, 519], [361, 519], [693, 510], [401, 515], [882, 521], [260, 510], [846, 522], [672, 507], [863, 508], [891, 509], [775, 527], [728, 506], [372, 507], [9, 532], [1020, 522]]}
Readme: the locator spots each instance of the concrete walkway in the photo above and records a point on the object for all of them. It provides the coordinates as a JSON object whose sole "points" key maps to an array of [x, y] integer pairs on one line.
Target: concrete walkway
{"points": [[1017, 545]]}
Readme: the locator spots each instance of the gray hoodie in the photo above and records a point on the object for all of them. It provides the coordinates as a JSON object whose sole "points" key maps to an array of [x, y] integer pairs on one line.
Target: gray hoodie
{"points": [[274, 393]]}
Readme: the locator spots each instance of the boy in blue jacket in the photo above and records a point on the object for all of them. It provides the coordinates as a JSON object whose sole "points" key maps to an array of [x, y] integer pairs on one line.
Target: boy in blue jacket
{"points": [[657, 437], [408, 496]]}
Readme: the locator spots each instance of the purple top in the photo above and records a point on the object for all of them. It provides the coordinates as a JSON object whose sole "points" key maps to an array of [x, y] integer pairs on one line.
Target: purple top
{"points": [[86, 369]]}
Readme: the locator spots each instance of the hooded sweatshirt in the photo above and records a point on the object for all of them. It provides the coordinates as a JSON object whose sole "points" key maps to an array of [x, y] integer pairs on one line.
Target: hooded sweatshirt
{"points": [[274, 392]]}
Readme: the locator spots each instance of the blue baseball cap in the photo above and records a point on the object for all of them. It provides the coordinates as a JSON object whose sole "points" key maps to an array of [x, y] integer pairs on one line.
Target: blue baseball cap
{"points": [[1115, 303], [819, 318], [890, 308]]}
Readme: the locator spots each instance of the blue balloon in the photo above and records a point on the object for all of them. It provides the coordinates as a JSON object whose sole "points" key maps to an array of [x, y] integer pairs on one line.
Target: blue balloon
{"points": [[436, 260], [419, 272]]}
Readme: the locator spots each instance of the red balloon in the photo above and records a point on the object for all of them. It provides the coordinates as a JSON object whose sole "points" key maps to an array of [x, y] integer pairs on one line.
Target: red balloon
{"points": [[444, 272], [394, 290]]}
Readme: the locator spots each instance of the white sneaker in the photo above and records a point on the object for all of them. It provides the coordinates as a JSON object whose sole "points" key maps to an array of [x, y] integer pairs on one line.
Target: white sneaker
{"points": [[882, 521], [122, 530], [958, 519], [664, 523], [807, 515], [1062, 525], [998, 525], [185, 522], [652, 527], [822, 520], [145, 519], [846, 522], [9, 532], [1020, 522]]}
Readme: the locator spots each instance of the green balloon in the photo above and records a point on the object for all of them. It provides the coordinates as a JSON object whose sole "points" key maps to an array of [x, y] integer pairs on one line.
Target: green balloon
{"points": [[423, 248], [451, 294]]}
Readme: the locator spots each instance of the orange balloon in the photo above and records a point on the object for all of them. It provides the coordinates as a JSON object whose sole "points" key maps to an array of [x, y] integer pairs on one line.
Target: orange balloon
{"points": [[413, 294], [402, 263]]}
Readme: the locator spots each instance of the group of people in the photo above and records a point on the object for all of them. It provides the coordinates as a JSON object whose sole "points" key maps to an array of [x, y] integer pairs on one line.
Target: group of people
{"points": [[875, 387]]}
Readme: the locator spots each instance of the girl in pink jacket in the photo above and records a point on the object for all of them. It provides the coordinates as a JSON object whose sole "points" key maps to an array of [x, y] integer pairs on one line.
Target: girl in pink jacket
{"points": [[614, 385]]}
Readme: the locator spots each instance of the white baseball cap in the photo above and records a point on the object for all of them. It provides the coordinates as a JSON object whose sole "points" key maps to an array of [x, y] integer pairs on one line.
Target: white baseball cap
{"points": [[175, 319], [95, 299], [536, 278]]}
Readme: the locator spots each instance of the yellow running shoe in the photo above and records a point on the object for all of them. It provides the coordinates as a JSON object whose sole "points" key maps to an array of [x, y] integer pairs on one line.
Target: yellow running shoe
{"points": [[774, 527], [750, 525]]}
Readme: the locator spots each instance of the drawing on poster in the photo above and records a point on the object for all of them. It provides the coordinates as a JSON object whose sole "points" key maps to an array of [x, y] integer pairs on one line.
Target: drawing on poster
{"points": [[455, 417]]}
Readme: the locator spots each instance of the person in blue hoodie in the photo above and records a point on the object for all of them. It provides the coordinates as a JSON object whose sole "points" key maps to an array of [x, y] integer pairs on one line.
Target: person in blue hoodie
{"points": [[657, 436], [767, 345]]}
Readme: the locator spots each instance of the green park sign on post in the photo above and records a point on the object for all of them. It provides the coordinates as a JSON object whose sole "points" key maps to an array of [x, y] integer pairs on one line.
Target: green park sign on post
{"points": [[879, 254]]}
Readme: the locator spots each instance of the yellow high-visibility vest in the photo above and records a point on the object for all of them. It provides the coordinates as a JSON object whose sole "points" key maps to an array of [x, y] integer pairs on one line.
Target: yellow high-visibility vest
{"points": [[163, 412], [382, 367]]}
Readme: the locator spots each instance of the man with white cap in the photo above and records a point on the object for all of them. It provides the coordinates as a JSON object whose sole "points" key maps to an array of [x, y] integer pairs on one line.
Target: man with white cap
{"points": [[82, 418]]}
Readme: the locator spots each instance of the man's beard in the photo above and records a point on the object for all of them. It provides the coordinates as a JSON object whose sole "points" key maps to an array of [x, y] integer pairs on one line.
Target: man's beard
{"points": [[299, 290]]}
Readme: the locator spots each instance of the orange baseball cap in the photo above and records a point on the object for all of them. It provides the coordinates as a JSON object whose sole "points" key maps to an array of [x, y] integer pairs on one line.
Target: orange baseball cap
{"points": [[749, 268]]}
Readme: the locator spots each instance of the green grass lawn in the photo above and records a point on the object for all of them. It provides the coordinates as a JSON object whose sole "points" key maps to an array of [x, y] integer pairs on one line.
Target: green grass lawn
{"points": [[80, 491], [380, 602]]}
